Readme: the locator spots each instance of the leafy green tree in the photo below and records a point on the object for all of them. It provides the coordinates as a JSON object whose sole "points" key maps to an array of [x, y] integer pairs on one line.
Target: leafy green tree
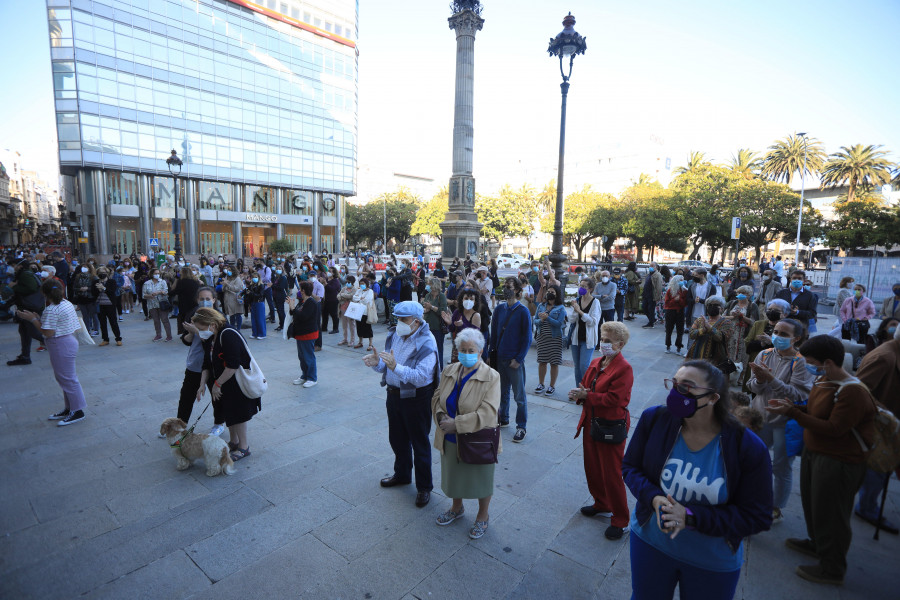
{"points": [[859, 167], [282, 246], [649, 223], [395, 210], [785, 157], [862, 222], [701, 205], [511, 213], [747, 163], [582, 217], [432, 214], [696, 162]]}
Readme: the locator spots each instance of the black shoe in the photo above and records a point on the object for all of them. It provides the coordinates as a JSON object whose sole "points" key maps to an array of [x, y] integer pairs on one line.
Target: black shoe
{"points": [[19, 360], [392, 481], [423, 498], [590, 511], [504, 423], [615, 533], [647, 326], [72, 418], [279, 328], [803, 546], [520, 435], [335, 331]]}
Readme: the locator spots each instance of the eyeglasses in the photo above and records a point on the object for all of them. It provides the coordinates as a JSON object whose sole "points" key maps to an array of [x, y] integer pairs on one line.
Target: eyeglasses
{"points": [[684, 388]]}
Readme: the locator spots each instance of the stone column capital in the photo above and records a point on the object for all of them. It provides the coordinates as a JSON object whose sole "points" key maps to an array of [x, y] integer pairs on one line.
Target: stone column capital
{"points": [[466, 22]]}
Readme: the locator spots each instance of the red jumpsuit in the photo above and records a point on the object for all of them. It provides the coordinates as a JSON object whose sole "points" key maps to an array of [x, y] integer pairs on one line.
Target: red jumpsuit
{"points": [[609, 391]]}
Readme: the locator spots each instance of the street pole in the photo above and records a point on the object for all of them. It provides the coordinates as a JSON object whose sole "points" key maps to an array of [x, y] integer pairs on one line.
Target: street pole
{"points": [[384, 240], [172, 162], [802, 190]]}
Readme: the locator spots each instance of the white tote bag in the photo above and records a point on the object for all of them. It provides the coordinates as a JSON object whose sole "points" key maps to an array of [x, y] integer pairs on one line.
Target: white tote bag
{"points": [[288, 319], [355, 311], [251, 381], [83, 335]]}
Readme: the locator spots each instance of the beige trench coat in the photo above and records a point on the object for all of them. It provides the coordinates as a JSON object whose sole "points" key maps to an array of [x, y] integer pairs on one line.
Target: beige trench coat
{"points": [[476, 409]]}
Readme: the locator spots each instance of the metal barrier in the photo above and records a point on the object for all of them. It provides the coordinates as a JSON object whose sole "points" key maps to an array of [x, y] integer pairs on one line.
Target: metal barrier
{"points": [[877, 274]]}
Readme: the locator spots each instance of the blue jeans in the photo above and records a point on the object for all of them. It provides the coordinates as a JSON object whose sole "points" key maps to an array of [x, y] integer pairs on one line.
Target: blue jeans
{"points": [[782, 464], [581, 356], [870, 495], [307, 356], [515, 379], [654, 574], [258, 319], [236, 321]]}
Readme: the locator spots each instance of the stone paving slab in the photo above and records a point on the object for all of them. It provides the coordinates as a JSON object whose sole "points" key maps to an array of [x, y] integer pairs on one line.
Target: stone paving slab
{"points": [[98, 509]]}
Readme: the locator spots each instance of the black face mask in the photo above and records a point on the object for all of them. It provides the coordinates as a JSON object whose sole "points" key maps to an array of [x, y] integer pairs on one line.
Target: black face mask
{"points": [[509, 293], [714, 310], [697, 279], [551, 297], [773, 315]]}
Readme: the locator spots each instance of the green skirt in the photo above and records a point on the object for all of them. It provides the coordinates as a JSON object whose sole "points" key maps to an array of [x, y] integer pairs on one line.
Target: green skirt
{"points": [[461, 480]]}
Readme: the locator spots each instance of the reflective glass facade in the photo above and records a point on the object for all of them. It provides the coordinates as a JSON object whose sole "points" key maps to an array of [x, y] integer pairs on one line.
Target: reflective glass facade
{"points": [[258, 99]]}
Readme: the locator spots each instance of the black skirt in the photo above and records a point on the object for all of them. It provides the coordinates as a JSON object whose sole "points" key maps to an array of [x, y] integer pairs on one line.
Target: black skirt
{"points": [[363, 329]]}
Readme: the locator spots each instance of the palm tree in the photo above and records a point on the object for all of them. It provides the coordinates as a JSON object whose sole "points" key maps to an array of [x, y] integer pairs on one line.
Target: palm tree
{"points": [[547, 198], [857, 166], [643, 179], [696, 162], [746, 162], [785, 157]]}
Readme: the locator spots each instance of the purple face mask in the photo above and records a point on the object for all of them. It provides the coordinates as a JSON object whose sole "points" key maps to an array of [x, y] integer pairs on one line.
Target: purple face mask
{"points": [[682, 406]]}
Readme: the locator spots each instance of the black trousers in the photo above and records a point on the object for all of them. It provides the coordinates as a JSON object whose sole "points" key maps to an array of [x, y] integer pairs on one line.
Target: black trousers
{"points": [[189, 394], [279, 308], [329, 309], [674, 320], [649, 306], [107, 312], [271, 302], [409, 424], [28, 332]]}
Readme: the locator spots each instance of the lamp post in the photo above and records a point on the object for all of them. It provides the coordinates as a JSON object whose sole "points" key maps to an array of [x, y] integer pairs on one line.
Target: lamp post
{"points": [[802, 189], [174, 162], [568, 44]]}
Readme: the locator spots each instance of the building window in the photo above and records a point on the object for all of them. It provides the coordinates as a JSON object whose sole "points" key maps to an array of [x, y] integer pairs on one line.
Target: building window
{"points": [[121, 188], [215, 195], [259, 199], [328, 205], [298, 202]]}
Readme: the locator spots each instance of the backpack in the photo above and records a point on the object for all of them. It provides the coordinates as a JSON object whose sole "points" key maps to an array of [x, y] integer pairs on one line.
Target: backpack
{"points": [[883, 456]]}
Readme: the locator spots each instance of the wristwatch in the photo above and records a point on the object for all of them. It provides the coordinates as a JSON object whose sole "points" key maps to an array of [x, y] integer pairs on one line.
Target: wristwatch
{"points": [[690, 521]]}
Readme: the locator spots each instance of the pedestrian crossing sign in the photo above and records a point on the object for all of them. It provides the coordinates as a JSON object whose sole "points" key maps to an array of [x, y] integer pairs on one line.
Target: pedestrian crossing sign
{"points": [[154, 242]]}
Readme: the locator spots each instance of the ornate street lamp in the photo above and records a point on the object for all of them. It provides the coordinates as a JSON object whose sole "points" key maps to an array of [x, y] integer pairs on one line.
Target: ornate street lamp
{"points": [[802, 190], [567, 45], [174, 162]]}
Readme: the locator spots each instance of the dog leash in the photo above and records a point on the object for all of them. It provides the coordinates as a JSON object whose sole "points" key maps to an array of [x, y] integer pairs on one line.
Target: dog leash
{"points": [[190, 430]]}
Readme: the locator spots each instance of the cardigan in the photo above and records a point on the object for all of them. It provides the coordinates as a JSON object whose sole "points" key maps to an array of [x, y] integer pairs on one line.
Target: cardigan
{"points": [[748, 470]]}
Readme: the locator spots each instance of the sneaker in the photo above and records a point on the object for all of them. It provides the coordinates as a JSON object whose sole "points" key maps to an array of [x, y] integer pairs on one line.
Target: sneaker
{"points": [[679, 352], [504, 424], [121, 319], [647, 326], [550, 390], [253, 337], [520, 435], [668, 350], [217, 430], [817, 574], [300, 381], [615, 533], [539, 389], [41, 348], [310, 383], [60, 415], [777, 516], [169, 339], [95, 334], [19, 360], [157, 338], [72, 418], [261, 338]]}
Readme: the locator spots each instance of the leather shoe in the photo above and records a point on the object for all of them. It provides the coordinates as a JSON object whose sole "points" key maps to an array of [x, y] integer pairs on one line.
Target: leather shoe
{"points": [[590, 511], [392, 481], [423, 498]]}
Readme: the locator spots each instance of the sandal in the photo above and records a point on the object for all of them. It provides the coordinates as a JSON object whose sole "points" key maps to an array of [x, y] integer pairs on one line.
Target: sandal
{"points": [[449, 516], [370, 348], [358, 346], [232, 446], [240, 453], [478, 529], [344, 343]]}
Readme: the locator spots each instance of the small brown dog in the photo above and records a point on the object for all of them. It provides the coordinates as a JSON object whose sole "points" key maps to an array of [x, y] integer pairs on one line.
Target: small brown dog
{"points": [[212, 449]]}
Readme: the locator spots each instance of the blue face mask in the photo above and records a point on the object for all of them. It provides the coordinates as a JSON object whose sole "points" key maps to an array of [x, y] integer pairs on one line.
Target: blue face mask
{"points": [[891, 331], [807, 287], [278, 271], [349, 285], [651, 269], [797, 284], [256, 280], [535, 269], [427, 288], [781, 343], [816, 371], [362, 287], [468, 360], [742, 296]]}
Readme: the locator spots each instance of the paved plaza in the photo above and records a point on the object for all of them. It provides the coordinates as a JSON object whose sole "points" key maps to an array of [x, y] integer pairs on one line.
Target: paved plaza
{"points": [[98, 510]]}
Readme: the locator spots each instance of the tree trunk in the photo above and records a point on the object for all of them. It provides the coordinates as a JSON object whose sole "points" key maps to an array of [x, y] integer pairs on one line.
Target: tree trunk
{"points": [[639, 253]]}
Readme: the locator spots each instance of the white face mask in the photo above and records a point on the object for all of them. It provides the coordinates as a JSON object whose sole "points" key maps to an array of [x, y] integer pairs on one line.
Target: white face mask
{"points": [[604, 279], [205, 335], [84, 269], [468, 304], [403, 329], [156, 277], [606, 349]]}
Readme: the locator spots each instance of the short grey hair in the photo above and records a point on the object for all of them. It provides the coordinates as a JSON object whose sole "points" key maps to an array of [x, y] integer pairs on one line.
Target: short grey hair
{"points": [[715, 300], [470, 335], [780, 304]]}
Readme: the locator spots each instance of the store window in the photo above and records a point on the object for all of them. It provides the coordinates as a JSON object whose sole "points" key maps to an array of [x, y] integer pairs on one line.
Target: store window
{"points": [[299, 236], [298, 202], [121, 188], [329, 203], [259, 199], [215, 195], [216, 238], [124, 235], [161, 229], [163, 192]]}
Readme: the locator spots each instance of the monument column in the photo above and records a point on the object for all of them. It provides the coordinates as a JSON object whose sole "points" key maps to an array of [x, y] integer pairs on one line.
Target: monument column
{"points": [[461, 229]]}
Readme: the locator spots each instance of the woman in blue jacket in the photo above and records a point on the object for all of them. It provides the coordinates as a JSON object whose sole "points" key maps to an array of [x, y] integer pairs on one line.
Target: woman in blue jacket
{"points": [[549, 320], [702, 484]]}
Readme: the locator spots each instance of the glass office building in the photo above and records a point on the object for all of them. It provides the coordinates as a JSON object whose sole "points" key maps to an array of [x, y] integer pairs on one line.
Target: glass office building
{"points": [[259, 99]]}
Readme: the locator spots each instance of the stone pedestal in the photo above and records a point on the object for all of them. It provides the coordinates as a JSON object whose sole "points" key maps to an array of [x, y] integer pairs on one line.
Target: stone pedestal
{"points": [[461, 230]]}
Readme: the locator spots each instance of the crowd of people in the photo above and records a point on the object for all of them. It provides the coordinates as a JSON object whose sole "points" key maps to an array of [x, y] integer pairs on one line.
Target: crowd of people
{"points": [[700, 466]]}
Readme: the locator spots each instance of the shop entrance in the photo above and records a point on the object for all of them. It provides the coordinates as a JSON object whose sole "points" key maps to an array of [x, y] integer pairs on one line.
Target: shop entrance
{"points": [[256, 240]]}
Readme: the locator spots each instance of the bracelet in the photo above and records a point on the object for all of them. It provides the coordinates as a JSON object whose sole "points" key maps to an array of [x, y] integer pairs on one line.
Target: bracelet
{"points": [[216, 383]]}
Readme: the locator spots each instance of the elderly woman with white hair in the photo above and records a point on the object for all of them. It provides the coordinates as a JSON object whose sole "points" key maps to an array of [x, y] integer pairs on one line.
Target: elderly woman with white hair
{"points": [[711, 337], [466, 402], [744, 313], [760, 335]]}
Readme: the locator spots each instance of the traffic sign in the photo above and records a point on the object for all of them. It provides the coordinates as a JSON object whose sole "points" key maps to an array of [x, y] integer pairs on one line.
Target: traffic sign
{"points": [[736, 228], [154, 242], [82, 240]]}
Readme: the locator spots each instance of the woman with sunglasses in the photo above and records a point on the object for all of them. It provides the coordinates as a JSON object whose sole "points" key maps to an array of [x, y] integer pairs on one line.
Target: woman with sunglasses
{"points": [[702, 483]]}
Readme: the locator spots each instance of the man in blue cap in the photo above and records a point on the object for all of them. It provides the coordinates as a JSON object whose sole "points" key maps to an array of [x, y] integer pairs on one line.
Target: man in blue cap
{"points": [[409, 368]]}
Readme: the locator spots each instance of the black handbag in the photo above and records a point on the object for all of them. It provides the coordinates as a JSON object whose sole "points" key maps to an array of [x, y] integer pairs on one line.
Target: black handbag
{"points": [[165, 305], [608, 431], [728, 367], [479, 447]]}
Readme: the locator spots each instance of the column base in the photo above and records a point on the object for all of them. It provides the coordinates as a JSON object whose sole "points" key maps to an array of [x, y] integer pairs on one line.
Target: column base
{"points": [[460, 238]]}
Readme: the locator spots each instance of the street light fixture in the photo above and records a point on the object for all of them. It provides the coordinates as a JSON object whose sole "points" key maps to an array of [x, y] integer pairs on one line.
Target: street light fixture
{"points": [[174, 162], [568, 44], [802, 189]]}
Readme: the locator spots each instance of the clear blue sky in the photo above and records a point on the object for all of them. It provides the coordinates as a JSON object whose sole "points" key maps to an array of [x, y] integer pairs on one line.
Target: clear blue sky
{"points": [[704, 75]]}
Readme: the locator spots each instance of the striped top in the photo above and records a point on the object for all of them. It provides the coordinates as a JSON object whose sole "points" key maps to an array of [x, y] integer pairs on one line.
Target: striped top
{"points": [[61, 318]]}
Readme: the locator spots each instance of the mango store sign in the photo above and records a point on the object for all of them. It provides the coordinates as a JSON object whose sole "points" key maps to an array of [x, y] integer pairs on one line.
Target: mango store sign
{"points": [[258, 218]]}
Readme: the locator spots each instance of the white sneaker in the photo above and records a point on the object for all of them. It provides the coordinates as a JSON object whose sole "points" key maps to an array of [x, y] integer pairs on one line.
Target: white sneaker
{"points": [[310, 383], [217, 430], [299, 381]]}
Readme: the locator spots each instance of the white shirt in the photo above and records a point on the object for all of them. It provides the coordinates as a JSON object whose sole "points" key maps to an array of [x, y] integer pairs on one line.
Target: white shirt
{"points": [[61, 317]]}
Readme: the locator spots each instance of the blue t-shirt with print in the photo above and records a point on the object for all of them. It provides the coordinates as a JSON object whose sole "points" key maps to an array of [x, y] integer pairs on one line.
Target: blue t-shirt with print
{"points": [[693, 478]]}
